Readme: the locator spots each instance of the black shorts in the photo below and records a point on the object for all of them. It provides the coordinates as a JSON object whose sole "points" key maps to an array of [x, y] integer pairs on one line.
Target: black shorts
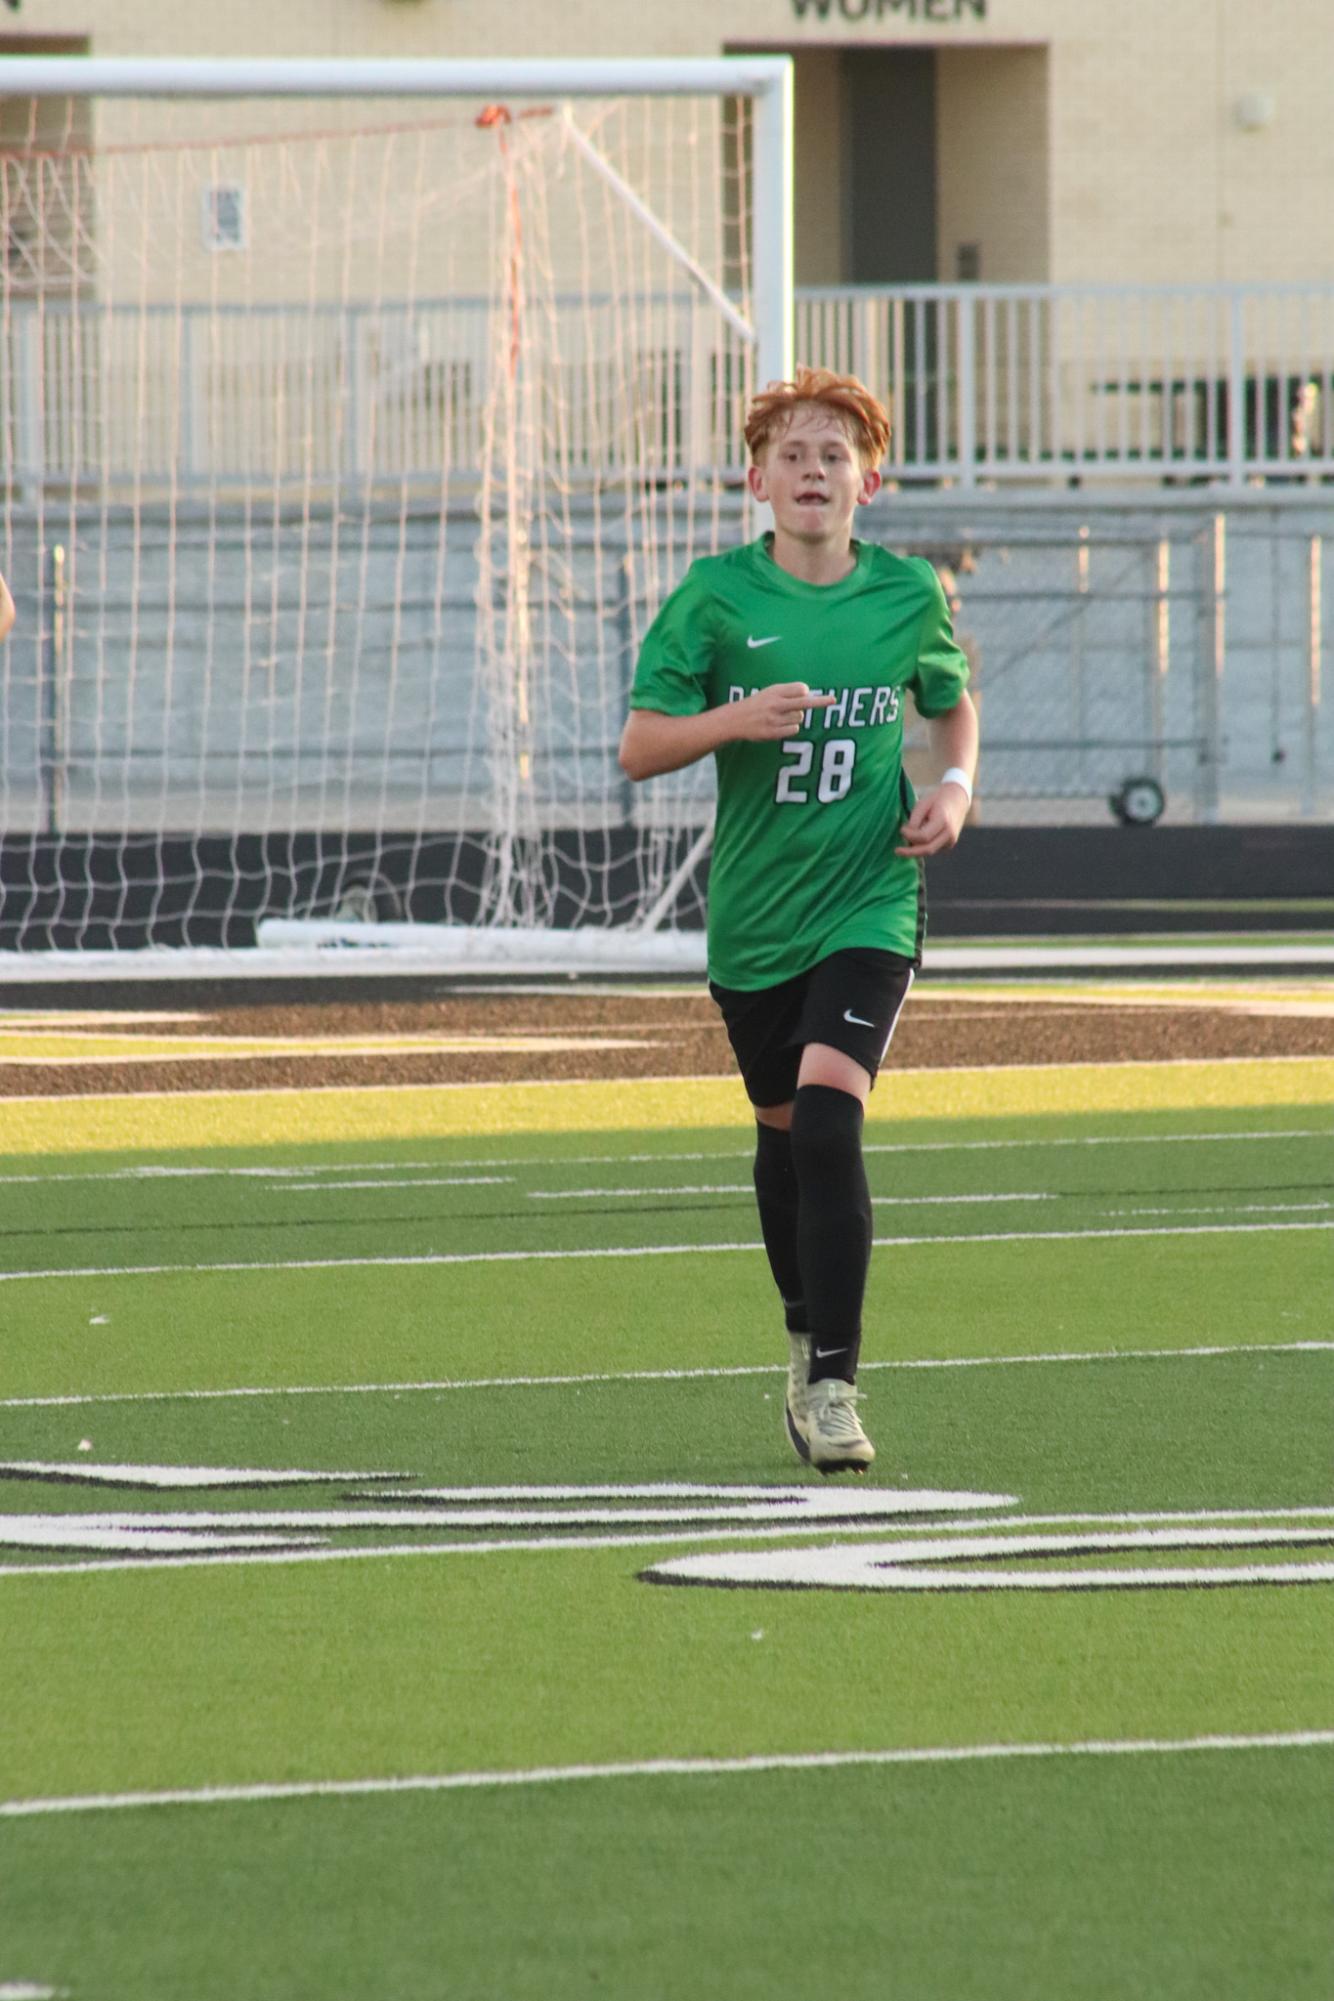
{"points": [[851, 1001]]}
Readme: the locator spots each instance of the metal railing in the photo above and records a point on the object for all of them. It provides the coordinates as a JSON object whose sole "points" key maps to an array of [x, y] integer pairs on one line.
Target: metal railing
{"points": [[996, 383], [988, 385]]}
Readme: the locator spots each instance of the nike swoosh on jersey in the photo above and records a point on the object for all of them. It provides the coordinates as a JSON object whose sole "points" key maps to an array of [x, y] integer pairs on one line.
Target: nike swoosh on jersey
{"points": [[856, 1019], [753, 643]]}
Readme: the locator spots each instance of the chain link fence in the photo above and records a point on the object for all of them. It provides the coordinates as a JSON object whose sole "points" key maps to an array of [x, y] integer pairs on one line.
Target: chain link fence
{"points": [[1139, 663]]}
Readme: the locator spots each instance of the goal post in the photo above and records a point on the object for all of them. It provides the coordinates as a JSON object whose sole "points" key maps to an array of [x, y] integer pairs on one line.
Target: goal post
{"points": [[355, 417]]}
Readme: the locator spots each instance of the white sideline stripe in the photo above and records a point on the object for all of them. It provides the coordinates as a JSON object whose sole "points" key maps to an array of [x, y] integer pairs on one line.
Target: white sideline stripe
{"points": [[662, 1768], [170, 1173], [289, 1187], [665, 1375], [1234, 1209], [950, 1241], [747, 1188]]}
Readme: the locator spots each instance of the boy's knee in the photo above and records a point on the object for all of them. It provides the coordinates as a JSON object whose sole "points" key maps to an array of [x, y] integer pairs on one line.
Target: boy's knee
{"points": [[826, 1130]]}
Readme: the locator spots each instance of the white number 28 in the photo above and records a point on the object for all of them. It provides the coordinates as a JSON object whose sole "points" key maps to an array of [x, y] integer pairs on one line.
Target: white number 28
{"points": [[837, 757]]}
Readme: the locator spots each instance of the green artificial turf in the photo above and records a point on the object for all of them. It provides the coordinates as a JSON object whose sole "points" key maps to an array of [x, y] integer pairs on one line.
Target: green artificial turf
{"points": [[1192, 1878], [1169, 1875]]}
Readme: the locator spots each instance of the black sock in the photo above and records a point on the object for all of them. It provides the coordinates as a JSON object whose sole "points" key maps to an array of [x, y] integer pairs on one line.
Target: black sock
{"points": [[776, 1194], [833, 1225]]}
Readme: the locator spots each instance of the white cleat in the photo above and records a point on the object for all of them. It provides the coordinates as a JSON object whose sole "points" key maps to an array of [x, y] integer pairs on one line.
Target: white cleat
{"points": [[794, 1410], [835, 1440]]}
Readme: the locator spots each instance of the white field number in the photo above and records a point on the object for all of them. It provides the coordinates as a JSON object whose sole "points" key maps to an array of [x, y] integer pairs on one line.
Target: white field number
{"points": [[962, 1562]]}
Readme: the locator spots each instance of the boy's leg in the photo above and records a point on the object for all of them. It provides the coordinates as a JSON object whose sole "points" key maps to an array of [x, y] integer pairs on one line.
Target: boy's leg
{"points": [[834, 1223], [834, 1251], [776, 1196], [851, 1008], [761, 1028], [810, 1185]]}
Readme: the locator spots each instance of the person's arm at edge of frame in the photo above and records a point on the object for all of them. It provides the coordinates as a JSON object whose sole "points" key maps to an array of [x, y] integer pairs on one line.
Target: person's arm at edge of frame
{"points": [[7, 612], [652, 742], [937, 819]]}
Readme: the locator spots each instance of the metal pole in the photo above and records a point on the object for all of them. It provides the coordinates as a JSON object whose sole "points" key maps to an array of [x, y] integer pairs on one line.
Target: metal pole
{"points": [[1213, 648], [967, 439], [772, 183], [626, 665], [1081, 728], [1314, 643], [655, 918], [1162, 658], [693, 269], [398, 76], [1236, 391], [52, 762]]}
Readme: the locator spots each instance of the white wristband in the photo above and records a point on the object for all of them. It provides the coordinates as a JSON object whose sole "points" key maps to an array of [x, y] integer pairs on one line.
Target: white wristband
{"points": [[956, 775]]}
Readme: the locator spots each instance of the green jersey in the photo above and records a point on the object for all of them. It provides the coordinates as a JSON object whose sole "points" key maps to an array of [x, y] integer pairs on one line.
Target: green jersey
{"points": [[803, 857]]}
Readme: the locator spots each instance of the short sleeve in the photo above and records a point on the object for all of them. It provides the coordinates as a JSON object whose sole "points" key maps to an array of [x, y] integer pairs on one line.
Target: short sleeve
{"points": [[941, 674], [674, 661]]}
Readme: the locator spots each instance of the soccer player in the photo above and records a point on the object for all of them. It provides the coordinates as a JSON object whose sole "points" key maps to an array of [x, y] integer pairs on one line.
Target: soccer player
{"points": [[7, 612], [789, 660]]}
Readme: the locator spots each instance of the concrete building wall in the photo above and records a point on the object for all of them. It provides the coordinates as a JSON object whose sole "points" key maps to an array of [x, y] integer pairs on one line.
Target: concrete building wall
{"points": [[994, 163], [820, 227], [1150, 173]]}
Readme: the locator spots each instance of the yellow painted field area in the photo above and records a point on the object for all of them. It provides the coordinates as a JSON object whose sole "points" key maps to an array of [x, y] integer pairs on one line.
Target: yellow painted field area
{"points": [[329, 1116], [1279, 998], [50, 1050]]}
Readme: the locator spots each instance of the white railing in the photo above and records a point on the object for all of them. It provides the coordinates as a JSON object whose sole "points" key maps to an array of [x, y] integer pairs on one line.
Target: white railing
{"points": [[994, 383], [988, 384], [276, 396]]}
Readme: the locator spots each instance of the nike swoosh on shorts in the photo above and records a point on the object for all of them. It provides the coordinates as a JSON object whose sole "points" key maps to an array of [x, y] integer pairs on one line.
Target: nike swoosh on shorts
{"points": [[856, 1019]]}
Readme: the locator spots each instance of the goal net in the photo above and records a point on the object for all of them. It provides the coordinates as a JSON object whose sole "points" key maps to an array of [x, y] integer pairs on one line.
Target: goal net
{"points": [[348, 444]]}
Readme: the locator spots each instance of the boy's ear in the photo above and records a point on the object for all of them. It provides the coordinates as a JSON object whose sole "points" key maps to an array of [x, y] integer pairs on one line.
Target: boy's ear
{"points": [[870, 487], [758, 485]]}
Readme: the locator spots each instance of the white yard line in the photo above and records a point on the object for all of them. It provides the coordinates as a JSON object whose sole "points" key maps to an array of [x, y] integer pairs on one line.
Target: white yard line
{"points": [[547, 1160], [1230, 1209], [950, 1241], [289, 1187], [747, 1188], [663, 1375], [659, 1768], [154, 1172]]}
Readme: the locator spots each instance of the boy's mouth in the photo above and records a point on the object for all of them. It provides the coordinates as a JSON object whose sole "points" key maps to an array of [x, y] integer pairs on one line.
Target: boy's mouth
{"points": [[811, 499]]}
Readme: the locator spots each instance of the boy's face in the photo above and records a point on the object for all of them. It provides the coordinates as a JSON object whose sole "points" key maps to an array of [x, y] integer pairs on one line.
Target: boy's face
{"points": [[812, 478]]}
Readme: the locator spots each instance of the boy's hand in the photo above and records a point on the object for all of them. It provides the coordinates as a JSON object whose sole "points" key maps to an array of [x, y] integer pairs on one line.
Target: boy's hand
{"points": [[773, 713], [935, 823]]}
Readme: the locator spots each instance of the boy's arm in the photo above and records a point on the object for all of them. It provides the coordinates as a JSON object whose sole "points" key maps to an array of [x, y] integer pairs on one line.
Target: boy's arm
{"points": [[936, 821], [652, 742], [7, 612]]}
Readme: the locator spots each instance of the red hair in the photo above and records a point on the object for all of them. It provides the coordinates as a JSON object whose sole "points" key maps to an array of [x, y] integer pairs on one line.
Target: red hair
{"points": [[861, 414]]}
